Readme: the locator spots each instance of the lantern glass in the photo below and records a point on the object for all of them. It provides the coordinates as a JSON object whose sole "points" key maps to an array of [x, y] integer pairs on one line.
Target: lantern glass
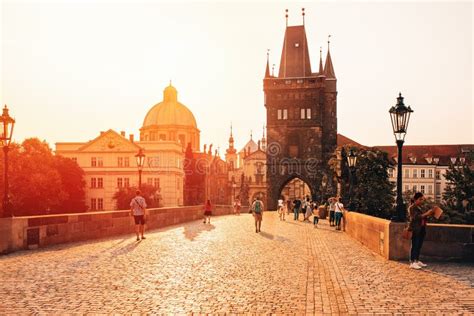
{"points": [[352, 159], [400, 116], [140, 159], [6, 127]]}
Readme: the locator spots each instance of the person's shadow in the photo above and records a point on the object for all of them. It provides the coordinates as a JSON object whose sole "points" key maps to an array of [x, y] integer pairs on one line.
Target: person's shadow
{"points": [[191, 231], [125, 249]]}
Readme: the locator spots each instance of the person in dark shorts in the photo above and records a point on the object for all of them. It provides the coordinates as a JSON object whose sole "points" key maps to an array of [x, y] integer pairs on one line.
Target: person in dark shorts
{"points": [[257, 210], [207, 212], [138, 208]]}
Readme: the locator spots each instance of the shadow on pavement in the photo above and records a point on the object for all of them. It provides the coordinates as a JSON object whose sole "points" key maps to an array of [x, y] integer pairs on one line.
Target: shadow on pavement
{"points": [[125, 249], [191, 231]]}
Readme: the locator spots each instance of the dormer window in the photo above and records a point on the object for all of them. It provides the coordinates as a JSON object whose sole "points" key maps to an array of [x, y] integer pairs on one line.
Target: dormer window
{"points": [[436, 160], [413, 159], [453, 160], [429, 159]]}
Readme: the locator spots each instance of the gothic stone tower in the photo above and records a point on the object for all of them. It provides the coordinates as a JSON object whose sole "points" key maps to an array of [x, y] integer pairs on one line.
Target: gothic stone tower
{"points": [[301, 119]]}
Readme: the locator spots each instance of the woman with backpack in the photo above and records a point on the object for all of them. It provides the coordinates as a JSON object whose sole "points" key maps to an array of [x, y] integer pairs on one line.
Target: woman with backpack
{"points": [[257, 210]]}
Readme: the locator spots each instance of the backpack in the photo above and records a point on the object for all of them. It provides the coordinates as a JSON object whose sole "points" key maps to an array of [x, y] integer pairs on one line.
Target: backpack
{"points": [[258, 207]]}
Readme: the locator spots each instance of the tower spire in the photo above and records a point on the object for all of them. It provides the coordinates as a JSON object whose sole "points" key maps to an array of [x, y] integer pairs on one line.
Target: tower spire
{"points": [[321, 69], [286, 16], [328, 67], [267, 70], [302, 13]]}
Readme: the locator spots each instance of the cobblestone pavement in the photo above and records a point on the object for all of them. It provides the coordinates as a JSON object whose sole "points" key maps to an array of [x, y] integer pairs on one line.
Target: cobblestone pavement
{"points": [[226, 267]]}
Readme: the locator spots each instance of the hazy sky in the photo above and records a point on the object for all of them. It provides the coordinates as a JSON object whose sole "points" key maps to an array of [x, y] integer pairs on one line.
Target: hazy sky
{"points": [[71, 69]]}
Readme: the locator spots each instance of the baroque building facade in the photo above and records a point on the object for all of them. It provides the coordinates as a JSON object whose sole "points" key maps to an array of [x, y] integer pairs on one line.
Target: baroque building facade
{"points": [[109, 160]]}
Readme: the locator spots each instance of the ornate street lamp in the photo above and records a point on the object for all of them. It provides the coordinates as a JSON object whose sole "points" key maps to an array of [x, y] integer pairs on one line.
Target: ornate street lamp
{"points": [[400, 116], [6, 132], [140, 163], [351, 162]]}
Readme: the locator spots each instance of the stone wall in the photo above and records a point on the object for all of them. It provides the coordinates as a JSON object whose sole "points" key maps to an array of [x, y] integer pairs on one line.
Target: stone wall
{"points": [[39, 231], [384, 238]]}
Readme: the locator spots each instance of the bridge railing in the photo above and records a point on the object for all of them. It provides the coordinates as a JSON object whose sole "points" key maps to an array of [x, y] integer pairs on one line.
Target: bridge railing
{"points": [[28, 232]]}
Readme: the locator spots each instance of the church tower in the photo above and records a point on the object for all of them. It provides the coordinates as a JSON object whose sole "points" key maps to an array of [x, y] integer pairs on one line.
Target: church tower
{"points": [[301, 117], [231, 153]]}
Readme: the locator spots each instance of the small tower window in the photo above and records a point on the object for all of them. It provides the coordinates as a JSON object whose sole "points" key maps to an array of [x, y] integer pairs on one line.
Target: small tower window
{"points": [[285, 114], [308, 114], [279, 115], [297, 45]]}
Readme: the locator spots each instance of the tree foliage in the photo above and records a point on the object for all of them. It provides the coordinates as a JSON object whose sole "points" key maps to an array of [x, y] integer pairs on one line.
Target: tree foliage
{"points": [[458, 195], [42, 183], [124, 196], [372, 192]]}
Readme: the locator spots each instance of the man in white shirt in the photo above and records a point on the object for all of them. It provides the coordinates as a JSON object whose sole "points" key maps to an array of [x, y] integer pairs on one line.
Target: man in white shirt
{"points": [[338, 210], [138, 208]]}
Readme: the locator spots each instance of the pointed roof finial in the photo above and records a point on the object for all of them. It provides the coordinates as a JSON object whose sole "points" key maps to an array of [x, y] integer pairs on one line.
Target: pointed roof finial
{"points": [[328, 67], [273, 70], [329, 41], [170, 83], [251, 134], [263, 131], [286, 16], [302, 12], [267, 69], [230, 129], [321, 69]]}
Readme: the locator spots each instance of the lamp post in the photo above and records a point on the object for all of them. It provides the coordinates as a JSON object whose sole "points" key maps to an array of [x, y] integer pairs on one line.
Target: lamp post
{"points": [[6, 132], [140, 163], [400, 116], [351, 162]]}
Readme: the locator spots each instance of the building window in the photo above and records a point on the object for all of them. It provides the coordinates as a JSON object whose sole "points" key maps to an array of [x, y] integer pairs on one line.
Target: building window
{"points": [[407, 173], [407, 188], [438, 176], [149, 181], [422, 190], [308, 114], [93, 182], [177, 184], [100, 162], [126, 182], [93, 204], [119, 182], [120, 161], [430, 189], [156, 182], [303, 114], [390, 173], [438, 189], [422, 173], [74, 159], [100, 182], [430, 173], [415, 188], [93, 162], [126, 162], [285, 114], [100, 204], [415, 173], [279, 115], [162, 137]]}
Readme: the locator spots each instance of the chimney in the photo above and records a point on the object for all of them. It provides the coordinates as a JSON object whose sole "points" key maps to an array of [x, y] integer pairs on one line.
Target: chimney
{"points": [[131, 137], [122, 133]]}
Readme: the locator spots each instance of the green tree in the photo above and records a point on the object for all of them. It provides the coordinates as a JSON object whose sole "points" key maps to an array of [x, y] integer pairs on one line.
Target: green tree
{"points": [[458, 196], [41, 183], [124, 196], [373, 193]]}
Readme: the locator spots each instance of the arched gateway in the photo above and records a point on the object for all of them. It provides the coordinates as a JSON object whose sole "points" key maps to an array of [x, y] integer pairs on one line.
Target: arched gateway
{"points": [[301, 119]]}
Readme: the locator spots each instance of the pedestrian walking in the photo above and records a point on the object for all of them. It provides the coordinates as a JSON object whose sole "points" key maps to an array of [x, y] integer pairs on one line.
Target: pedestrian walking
{"points": [[257, 210], [207, 212], [338, 212], [138, 209], [315, 212], [296, 209], [332, 217], [281, 209], [308, 209], [237, 206], [288, 206], [417, 225]]}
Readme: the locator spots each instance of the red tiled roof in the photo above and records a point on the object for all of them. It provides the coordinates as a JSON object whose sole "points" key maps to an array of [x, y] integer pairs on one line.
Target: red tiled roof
{"points": [[425, 154], [346, 141]]}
